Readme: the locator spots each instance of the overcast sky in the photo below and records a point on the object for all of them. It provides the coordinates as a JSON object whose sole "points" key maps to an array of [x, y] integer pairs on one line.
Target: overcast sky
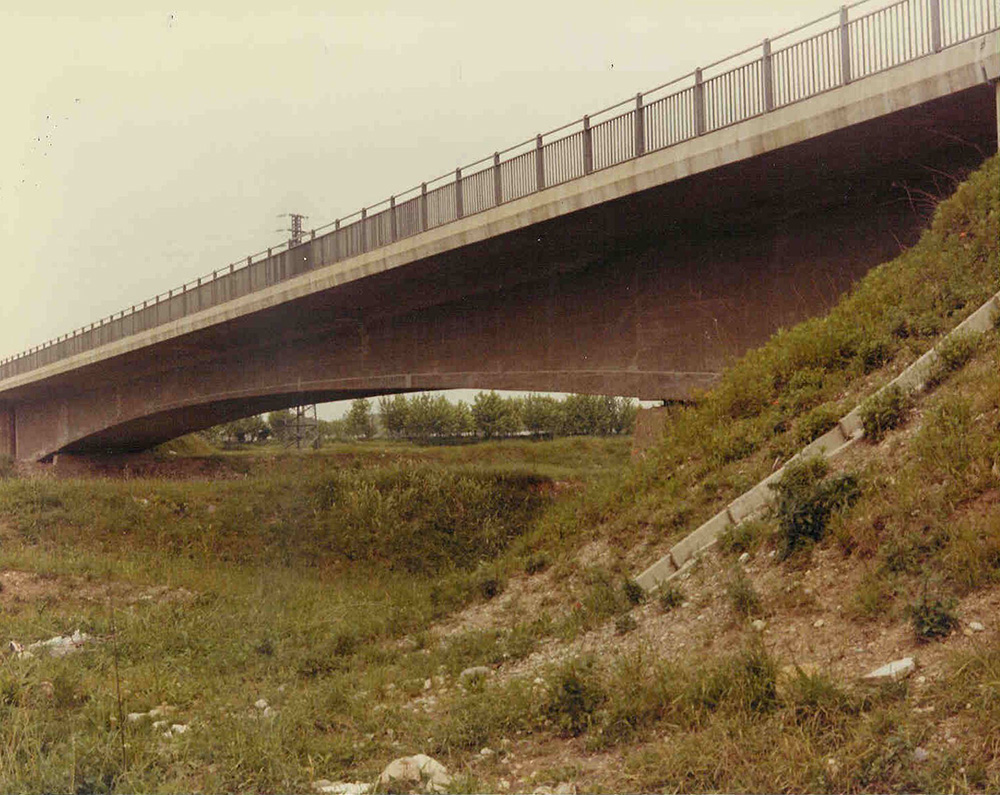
{"points": [[145, 144]]}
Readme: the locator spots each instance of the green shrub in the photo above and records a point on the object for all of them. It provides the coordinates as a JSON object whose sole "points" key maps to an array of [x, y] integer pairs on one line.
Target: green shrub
{"points": [[633, 592], [953, 353], [873, 354], [884, 411], [743, 537], [746, 682], [669, 596], [807, 499], [932, 617], [536, 563], [817, 422], [625, 624], [490, 586], [743, 597], [576, 694]]}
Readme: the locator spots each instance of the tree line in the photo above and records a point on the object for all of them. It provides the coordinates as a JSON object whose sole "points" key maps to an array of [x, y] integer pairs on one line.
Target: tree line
{"points": [[424, 417]]}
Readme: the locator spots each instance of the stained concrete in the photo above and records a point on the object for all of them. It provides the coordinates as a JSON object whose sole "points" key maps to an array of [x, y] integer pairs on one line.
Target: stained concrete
{"points": [[645, 279]]}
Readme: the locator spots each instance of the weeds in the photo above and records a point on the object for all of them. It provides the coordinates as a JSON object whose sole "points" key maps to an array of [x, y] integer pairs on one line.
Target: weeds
{"points": [[805, 501], [932, 617], [576, 693], [953, 353], [746, 536], [633, 592], [884, 411], [669, 596], [743, 598]]}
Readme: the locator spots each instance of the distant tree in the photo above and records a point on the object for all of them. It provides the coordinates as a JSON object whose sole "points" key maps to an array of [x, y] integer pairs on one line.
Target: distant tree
{"points": [[495, 416], [622, 414], [394, 414], [281, 424], [359, 422], [243, 431], [541, 414], [579, 415], [460, 419], [332, 430]]}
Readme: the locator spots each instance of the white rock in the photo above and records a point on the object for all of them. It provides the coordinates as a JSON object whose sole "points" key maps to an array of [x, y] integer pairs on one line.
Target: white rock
{"points": [[159, 724], [260, 703], [417, 769], [759, 625], [486, 752], [59, 646], [565, 788], [819, 622], [269, 712], [342, 787], [179, 728], [427, 684], [744, 557], [975, 626], [474, 673], [897, 669], [135, 717], [920, 755]]}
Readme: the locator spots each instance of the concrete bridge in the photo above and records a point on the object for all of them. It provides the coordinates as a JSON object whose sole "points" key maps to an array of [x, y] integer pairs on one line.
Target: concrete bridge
{"points": [[636, 251]]}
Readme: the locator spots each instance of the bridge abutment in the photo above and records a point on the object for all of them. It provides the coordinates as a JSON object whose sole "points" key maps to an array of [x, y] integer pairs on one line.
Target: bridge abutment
{"points": [[8, 433]]}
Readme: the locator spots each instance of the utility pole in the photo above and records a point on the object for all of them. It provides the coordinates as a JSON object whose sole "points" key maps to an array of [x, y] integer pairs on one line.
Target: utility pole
{"points": [[306, 420]]}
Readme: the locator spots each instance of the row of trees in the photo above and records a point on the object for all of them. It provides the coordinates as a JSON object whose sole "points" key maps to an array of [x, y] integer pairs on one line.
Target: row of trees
{"points": [[425, 417], [490, 416]]}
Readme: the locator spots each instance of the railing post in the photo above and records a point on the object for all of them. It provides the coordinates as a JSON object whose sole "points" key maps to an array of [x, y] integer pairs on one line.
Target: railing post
{"points": [[699, 103], [497, 184], [767, 76], [935, 25], [423, 206], [539, 164], [640, 127], [392, 219], [588, 147], [364, 232], [845, 47], [458, 193]]}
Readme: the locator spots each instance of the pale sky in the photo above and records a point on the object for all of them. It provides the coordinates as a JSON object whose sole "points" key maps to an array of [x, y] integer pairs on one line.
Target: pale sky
{"points": [[145, 144]]}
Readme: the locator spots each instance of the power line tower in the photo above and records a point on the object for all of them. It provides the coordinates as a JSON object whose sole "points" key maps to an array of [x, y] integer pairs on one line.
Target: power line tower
{"points": [[294, 228], [305, 430]]}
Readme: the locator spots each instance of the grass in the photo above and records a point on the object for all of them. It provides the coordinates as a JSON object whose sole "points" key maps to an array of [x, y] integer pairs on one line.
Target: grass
{"points": [[792, 389], [351, 587]]}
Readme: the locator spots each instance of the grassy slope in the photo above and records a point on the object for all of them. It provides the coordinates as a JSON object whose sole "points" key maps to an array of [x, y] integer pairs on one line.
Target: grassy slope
{"points": [[310, 588]]}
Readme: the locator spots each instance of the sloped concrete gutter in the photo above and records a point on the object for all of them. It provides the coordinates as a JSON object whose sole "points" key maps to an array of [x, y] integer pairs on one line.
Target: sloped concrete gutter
{"points": [[846, 432]]}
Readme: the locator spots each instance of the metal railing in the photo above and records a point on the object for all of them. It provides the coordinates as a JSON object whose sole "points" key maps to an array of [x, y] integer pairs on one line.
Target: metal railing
{"points": [[809, 60]]}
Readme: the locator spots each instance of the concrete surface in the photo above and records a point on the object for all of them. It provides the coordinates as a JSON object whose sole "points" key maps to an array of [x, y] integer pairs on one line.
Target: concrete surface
{"points": [[644, 279]]}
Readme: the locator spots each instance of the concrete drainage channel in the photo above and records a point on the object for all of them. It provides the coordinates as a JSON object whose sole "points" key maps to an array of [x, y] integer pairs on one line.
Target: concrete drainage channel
{"points": [[844, 434]]}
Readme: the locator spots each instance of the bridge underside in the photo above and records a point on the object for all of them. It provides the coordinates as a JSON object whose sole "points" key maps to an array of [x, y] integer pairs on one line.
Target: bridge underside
{"points": [[649, 296]]}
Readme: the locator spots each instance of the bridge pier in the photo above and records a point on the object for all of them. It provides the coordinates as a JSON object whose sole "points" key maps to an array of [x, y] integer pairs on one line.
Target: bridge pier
{"points": [[8, 435]]}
